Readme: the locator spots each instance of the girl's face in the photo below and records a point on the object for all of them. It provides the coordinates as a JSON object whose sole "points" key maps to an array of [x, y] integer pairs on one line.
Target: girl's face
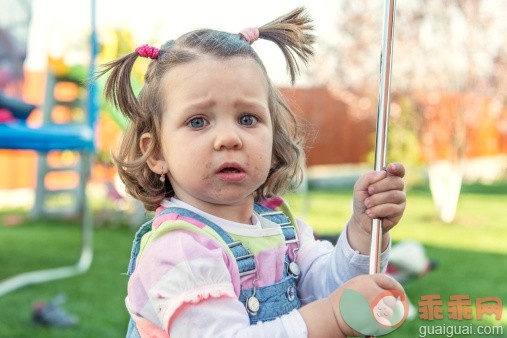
{"points": [[216, 132]]}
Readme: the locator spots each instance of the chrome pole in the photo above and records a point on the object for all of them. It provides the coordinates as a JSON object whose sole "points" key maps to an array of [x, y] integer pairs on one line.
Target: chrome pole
{"points": [[382, 122]]}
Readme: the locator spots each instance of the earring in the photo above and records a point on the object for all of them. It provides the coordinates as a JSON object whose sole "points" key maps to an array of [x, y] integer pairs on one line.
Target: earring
{"points": [[162, 178]]}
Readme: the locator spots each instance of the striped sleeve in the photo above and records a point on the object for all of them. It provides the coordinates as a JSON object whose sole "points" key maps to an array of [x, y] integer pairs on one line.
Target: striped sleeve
{"points": [[177, 269]]}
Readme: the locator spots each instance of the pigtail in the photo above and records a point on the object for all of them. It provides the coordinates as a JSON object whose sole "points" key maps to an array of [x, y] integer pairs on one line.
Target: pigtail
{"points": [[292, 34], [130, 161], [118, 87]]}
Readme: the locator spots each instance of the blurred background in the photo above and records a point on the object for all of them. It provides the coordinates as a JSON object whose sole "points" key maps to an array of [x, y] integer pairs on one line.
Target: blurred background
{"points": [[448, 126]]}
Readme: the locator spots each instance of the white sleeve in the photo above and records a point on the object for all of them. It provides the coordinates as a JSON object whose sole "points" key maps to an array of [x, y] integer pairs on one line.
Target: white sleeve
{"points": [[190, 293], [221, 318], [325, 268]]}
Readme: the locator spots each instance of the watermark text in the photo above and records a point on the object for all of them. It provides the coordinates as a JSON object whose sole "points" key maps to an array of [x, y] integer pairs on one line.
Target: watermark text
{"points": [[444, 330]]}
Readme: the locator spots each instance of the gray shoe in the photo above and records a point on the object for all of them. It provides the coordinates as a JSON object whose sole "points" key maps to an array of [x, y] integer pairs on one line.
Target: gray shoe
{"points": [[52, 314]]}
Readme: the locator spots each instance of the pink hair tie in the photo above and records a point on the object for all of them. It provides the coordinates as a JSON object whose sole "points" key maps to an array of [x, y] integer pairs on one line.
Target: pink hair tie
{"points": [[250, 34], [147, 51]]}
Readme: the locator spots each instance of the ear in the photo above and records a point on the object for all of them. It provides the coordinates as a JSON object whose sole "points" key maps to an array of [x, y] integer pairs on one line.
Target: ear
{"points": [[156, 160], [274, 162]]}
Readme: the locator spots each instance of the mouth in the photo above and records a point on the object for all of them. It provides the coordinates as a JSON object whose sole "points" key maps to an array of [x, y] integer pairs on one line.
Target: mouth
{"points": [[231, 172], [230, 168]]}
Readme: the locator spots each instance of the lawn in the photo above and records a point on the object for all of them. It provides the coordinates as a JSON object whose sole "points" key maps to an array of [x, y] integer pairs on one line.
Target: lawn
{"points": [[471, 256]]}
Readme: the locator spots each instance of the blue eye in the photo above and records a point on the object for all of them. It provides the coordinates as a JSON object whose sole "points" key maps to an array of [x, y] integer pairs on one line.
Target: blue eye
{"points": [[197, 122], [248, 120]]}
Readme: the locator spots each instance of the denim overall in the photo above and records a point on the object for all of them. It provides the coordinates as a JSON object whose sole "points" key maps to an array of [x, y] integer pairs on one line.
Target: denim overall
{"points": [[262, 303]]}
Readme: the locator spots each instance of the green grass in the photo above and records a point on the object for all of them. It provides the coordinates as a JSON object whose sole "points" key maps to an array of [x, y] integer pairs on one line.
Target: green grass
{"points": [[471, 254], [96, 297], [480, 222]]}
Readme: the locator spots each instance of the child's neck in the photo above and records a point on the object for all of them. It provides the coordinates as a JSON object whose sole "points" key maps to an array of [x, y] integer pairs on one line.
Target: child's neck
{"points": [[239, 212]]}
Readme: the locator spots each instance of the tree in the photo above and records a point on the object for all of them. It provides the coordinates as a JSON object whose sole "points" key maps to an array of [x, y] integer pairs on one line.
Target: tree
{"points": [[443, 49]]}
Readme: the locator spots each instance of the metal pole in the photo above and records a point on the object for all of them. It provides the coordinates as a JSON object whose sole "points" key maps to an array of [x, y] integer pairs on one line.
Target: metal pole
{"points": [[382, 122]]}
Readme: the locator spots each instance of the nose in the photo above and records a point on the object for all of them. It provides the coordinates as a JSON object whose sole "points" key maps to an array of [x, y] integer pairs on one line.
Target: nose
{"points": [[227, 137]]}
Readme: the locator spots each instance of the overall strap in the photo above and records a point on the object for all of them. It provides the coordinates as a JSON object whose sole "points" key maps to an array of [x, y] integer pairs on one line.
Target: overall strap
{"points": [[278, 217], [136, 245], [289, 231], [243, 257]]}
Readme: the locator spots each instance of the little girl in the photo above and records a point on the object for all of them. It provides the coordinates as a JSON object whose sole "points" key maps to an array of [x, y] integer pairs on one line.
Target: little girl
{"points": [[210, 146]]}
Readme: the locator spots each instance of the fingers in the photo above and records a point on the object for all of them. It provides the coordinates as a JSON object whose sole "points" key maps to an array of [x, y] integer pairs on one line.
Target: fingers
{"points": [[396, 169], [380, 194], [389, 213], [386, 283], [386, 197], [378, 181], [385, 204], [366, 285], [379, 280], [369, 179], [386, 184], [383, 295], [371, 285]]}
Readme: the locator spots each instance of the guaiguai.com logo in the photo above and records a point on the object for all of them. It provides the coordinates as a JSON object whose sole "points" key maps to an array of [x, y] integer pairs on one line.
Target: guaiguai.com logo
{"points": [[384, 315]]}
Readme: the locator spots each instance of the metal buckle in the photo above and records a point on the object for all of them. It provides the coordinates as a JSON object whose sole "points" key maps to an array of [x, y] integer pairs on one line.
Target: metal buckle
{"points": [[233, 244], [248, 272], [271, 213]]}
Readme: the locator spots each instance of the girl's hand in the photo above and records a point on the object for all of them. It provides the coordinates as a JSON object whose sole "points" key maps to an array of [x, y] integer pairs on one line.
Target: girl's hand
{"points": [[377, 195]]}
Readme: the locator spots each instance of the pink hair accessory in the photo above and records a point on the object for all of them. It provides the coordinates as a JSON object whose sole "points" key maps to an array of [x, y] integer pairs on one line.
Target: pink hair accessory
{"points": [[273, 202], [250, 34], [147, 51]]}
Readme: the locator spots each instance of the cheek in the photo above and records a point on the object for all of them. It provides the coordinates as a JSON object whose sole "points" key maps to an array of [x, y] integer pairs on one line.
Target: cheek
{"points": [[260, 157], [269, 144], [265, 152]]}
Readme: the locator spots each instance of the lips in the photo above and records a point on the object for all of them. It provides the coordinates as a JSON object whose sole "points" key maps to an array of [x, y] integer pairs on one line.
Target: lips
{"points": [[231, 172], [230, 167]]}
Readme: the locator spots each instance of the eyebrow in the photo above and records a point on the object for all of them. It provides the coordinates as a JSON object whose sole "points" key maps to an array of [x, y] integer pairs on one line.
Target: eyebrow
{"points": [[207, 103], [200, 104], [252, 104]]}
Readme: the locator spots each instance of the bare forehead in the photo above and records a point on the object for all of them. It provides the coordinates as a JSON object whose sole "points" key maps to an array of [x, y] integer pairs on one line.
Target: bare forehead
{"points": [[218, 63], [194, 77]]}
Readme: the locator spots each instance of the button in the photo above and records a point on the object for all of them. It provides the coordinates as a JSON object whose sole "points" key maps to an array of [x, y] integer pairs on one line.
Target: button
{"points": [[253, 305], [294, 269]]}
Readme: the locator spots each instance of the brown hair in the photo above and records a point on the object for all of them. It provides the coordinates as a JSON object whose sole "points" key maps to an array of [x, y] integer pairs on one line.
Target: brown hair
{"points": [[290, 32]]}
